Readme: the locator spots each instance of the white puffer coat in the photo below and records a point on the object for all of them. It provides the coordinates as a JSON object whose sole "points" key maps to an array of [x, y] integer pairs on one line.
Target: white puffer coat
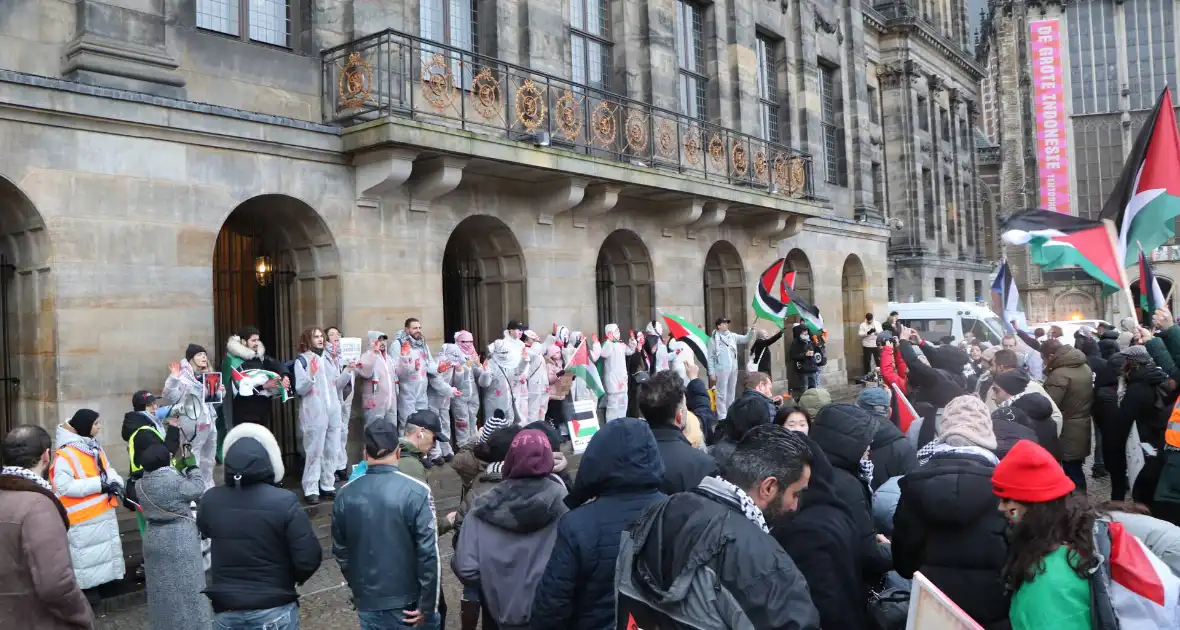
{"points": [[95, 547]]}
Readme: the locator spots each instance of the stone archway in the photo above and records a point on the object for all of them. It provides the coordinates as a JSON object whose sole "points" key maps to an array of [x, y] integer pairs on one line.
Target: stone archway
{"points": [[1075, 304], [625, 287], [852, 288], [28, 346], [275, 267], [484, 279], [725, 285]]}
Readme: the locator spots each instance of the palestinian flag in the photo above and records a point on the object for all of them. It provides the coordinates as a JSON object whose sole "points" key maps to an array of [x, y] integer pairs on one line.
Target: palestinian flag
{"points": [[799, 307], [906, 414], [1146, 200], [1144, 591], [1058, 240], [582, 368], [254, 380], [1151, 298], [766, 305], [683, 330]]}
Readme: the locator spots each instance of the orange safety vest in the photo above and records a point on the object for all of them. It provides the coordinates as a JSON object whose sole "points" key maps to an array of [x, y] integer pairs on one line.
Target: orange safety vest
{"points": [[1172, 433], [84, 466]]}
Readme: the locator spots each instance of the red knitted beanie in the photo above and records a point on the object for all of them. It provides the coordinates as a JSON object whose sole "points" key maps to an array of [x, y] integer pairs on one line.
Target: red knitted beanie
{"points": [[1029, 474]]}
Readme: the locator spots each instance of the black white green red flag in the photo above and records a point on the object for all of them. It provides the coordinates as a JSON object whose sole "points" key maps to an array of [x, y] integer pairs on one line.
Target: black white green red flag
{"points": [[1151, 298], [766, 304], [799, 307], [1058, 240], [683, 330], [582, 368], [1146, 200]]}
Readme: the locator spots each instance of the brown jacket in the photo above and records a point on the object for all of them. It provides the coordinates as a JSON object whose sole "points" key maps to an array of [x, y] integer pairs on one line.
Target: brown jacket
{"points": [[37, 586], [1070, 383]]}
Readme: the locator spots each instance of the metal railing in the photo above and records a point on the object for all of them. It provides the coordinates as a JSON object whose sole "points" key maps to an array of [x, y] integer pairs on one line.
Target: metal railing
{"points": [[395, 74]]}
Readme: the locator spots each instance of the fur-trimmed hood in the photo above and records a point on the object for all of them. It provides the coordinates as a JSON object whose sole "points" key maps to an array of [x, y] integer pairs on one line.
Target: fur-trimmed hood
{"points": [[252, 456], [236, 347]]}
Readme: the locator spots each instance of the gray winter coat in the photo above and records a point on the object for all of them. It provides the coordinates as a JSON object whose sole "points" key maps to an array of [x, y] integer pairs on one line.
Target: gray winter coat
{"points": [[507, 537], [172, 556], [1161, 537]]}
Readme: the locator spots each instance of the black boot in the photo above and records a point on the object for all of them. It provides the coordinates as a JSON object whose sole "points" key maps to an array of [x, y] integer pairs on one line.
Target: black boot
{"points": [[312, 499], [468, 615]]}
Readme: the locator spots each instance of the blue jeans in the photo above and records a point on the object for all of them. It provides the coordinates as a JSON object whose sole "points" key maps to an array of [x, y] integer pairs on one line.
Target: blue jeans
{"points": [[284, 617], [392, 620]]}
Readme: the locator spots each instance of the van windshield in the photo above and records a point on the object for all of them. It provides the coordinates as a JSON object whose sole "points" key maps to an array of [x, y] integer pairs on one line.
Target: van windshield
{"points": [[987, 329]]}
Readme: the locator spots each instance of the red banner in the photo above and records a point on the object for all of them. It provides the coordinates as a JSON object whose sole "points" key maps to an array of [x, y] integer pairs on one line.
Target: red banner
{"points": [[1048, 78]]}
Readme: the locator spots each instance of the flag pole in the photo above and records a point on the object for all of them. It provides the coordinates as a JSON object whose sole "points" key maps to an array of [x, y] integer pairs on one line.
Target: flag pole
{"points": [[1112, 234]]}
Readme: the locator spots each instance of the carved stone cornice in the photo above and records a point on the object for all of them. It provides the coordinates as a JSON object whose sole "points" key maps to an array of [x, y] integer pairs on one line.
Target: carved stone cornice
{"points": [[557, 196], [598, 199], [433, 178]]}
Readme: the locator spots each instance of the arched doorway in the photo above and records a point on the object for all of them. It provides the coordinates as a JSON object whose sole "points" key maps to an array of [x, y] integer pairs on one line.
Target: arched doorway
{"points": [[852, 287], [1081, 305], [276, 267], [484, 279], [725, 285], [626, 292], [797, 262], [28, 353]]}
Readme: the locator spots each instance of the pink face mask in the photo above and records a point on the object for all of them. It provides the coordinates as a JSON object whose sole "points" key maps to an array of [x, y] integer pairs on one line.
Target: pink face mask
{"points": [[466, 343]]}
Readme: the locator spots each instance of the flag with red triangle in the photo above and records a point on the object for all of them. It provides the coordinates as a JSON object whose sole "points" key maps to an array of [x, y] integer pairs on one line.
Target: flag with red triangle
{"points": [[906, 414], [583, 369], [766, 304], [1058, 240], [1146, 200]]}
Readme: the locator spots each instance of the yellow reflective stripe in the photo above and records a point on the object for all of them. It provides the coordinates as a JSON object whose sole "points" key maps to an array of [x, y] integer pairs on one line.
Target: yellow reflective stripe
{"points": [[131, 446]]}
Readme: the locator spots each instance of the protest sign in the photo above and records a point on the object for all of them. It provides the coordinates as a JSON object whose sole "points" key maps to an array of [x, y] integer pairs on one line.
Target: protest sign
{"points": [[931, 609], [350, 349], [584, 424]]}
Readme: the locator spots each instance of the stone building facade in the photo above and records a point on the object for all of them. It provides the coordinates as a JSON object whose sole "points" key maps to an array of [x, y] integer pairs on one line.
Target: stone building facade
{"points": [[927, 92], [175, 170], [1117, 55]]}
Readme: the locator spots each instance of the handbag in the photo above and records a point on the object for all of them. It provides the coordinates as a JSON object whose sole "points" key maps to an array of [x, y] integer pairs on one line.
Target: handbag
{"points": [[889, 608]]}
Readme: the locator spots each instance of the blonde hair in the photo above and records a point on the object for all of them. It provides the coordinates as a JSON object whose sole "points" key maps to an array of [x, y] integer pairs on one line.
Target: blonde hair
{"points": [[692, 430]]}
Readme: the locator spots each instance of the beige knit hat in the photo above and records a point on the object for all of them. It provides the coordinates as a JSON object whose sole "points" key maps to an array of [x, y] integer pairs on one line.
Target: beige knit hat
{"points": [[966, 422]]}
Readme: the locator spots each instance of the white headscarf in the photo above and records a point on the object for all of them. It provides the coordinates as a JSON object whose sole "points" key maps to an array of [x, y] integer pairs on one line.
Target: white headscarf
{"points": [[613, 328]]}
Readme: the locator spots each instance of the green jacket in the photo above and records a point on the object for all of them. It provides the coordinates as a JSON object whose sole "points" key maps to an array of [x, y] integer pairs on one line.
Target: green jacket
{"points": [[411, 461], [1070, 383], [1057, 598], [1165, 351]]}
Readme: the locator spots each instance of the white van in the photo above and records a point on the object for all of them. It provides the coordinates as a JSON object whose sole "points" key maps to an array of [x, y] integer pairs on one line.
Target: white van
{"points": [[939, 317]]}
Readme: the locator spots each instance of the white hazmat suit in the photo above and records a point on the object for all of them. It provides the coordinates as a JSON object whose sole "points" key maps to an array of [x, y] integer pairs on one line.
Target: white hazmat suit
{"points": [[723, 365], [614, 355], [318, 382]]}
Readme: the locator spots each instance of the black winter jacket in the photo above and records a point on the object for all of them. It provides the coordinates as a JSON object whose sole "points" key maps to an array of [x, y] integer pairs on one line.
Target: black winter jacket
{"points": [[695, 552], [932, 385], [696, 398], [751, 409], [893, 455], [947, 526], [1141, 403], [619, 476], [799, 348], [262, 541], [1039, 411], [684, 465], [133, 420], [760, 351], [822, 539], [1011, 425], [843, 432]]}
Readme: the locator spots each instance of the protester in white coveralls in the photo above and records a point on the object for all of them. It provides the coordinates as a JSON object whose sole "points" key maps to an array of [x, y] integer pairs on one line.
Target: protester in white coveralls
{"points": [[723, 362], [468, 380], [614, 355], [680, 356], [196, 419], [442, 391], [416, 370], [346, 391], [507, 389], [378, 381], [537, 377], [656, 357], [317, 383], [579, 391]]}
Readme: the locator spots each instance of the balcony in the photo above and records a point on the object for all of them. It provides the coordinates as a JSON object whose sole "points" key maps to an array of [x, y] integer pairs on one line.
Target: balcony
{"points": [[390, 75]]}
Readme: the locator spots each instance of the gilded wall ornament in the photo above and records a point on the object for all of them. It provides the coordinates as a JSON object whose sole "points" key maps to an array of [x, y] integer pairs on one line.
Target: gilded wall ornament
{"points": [[636, 125], [530, 105], [740, 159], [603, 124], [486, 97], [666, 140], [716, 153], [356, 82], [761, 167], [692, 146], [438, 83], [569, 115]]}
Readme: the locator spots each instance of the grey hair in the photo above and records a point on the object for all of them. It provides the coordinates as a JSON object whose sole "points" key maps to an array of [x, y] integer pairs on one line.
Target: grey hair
{"points": [[768, 450]]}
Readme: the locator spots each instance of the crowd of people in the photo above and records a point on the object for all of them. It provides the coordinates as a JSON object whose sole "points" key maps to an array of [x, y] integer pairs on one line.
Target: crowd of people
{"points": [[692, 506]]}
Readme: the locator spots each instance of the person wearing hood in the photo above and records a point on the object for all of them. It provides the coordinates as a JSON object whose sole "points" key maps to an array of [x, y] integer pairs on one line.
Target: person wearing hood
{"points": [[1008, 361], [145, 425], [939, 379], [469, 376], [707, 555], [1011, 425], [805, 357], [653, 350], [1012, 390], [891, 453], [1070, 383], [263, 544], [614, 355], [172, 557], [507, 384], [184, 390], [813, 400], [378, 380], [619, 477], [1086, 342], [723, 362], [88, 487], [318, 382], [844, 433], [663, 404], [579, 391], [416, 371], [823, 541], [244, 351], [452, 374], [947, 524], [1140, 405], [537, 377], [332, 351], [510, 531], [752, 408]]}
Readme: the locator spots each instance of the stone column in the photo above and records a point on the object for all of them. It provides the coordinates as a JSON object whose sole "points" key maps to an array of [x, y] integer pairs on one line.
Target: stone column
{"points": [[545, 37], [121, 44], [858, 120]]}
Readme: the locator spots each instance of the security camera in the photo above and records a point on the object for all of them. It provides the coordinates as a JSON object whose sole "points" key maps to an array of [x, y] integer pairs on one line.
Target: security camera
{"points": [[896, 223]]}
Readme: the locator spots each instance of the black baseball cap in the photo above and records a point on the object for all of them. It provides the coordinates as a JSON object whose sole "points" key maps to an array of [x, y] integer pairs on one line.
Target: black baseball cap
{"points": [[721, 320], [381, 439], [141, 399], [428, 420]]}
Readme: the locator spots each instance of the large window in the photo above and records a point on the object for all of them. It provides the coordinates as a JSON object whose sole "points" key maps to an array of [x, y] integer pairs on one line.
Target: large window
{"points": [[970, 213], [878, 187], [960, 290], [952, 211], [590, 40], [266, 21], [944, 122], [928, 203], [939, 290], [923, 114], [768, 103], [1093, 57], [449, 22], [832, 121], [1151, 50], [874, 113], [690, 51], [1098, 150]]}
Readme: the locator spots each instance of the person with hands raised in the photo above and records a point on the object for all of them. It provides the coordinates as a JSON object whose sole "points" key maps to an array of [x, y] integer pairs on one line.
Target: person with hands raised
{"points": [[184, 389], [614, 354], [318, 383], [723, 362]]}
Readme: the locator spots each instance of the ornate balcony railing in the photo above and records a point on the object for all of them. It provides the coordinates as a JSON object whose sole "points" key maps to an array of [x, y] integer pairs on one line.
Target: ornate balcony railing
{"points": [[395, 74]]}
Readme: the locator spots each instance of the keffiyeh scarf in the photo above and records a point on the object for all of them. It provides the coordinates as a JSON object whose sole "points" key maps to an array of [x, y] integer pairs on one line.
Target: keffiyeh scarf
{"points": [[937, 447], [866, 471], [722, 488], [25, 473]]}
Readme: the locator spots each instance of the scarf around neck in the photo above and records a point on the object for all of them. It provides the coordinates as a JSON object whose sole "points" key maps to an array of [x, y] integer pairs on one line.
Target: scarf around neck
{"points": [[25, 473], [723, 489], [938, 447]]}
